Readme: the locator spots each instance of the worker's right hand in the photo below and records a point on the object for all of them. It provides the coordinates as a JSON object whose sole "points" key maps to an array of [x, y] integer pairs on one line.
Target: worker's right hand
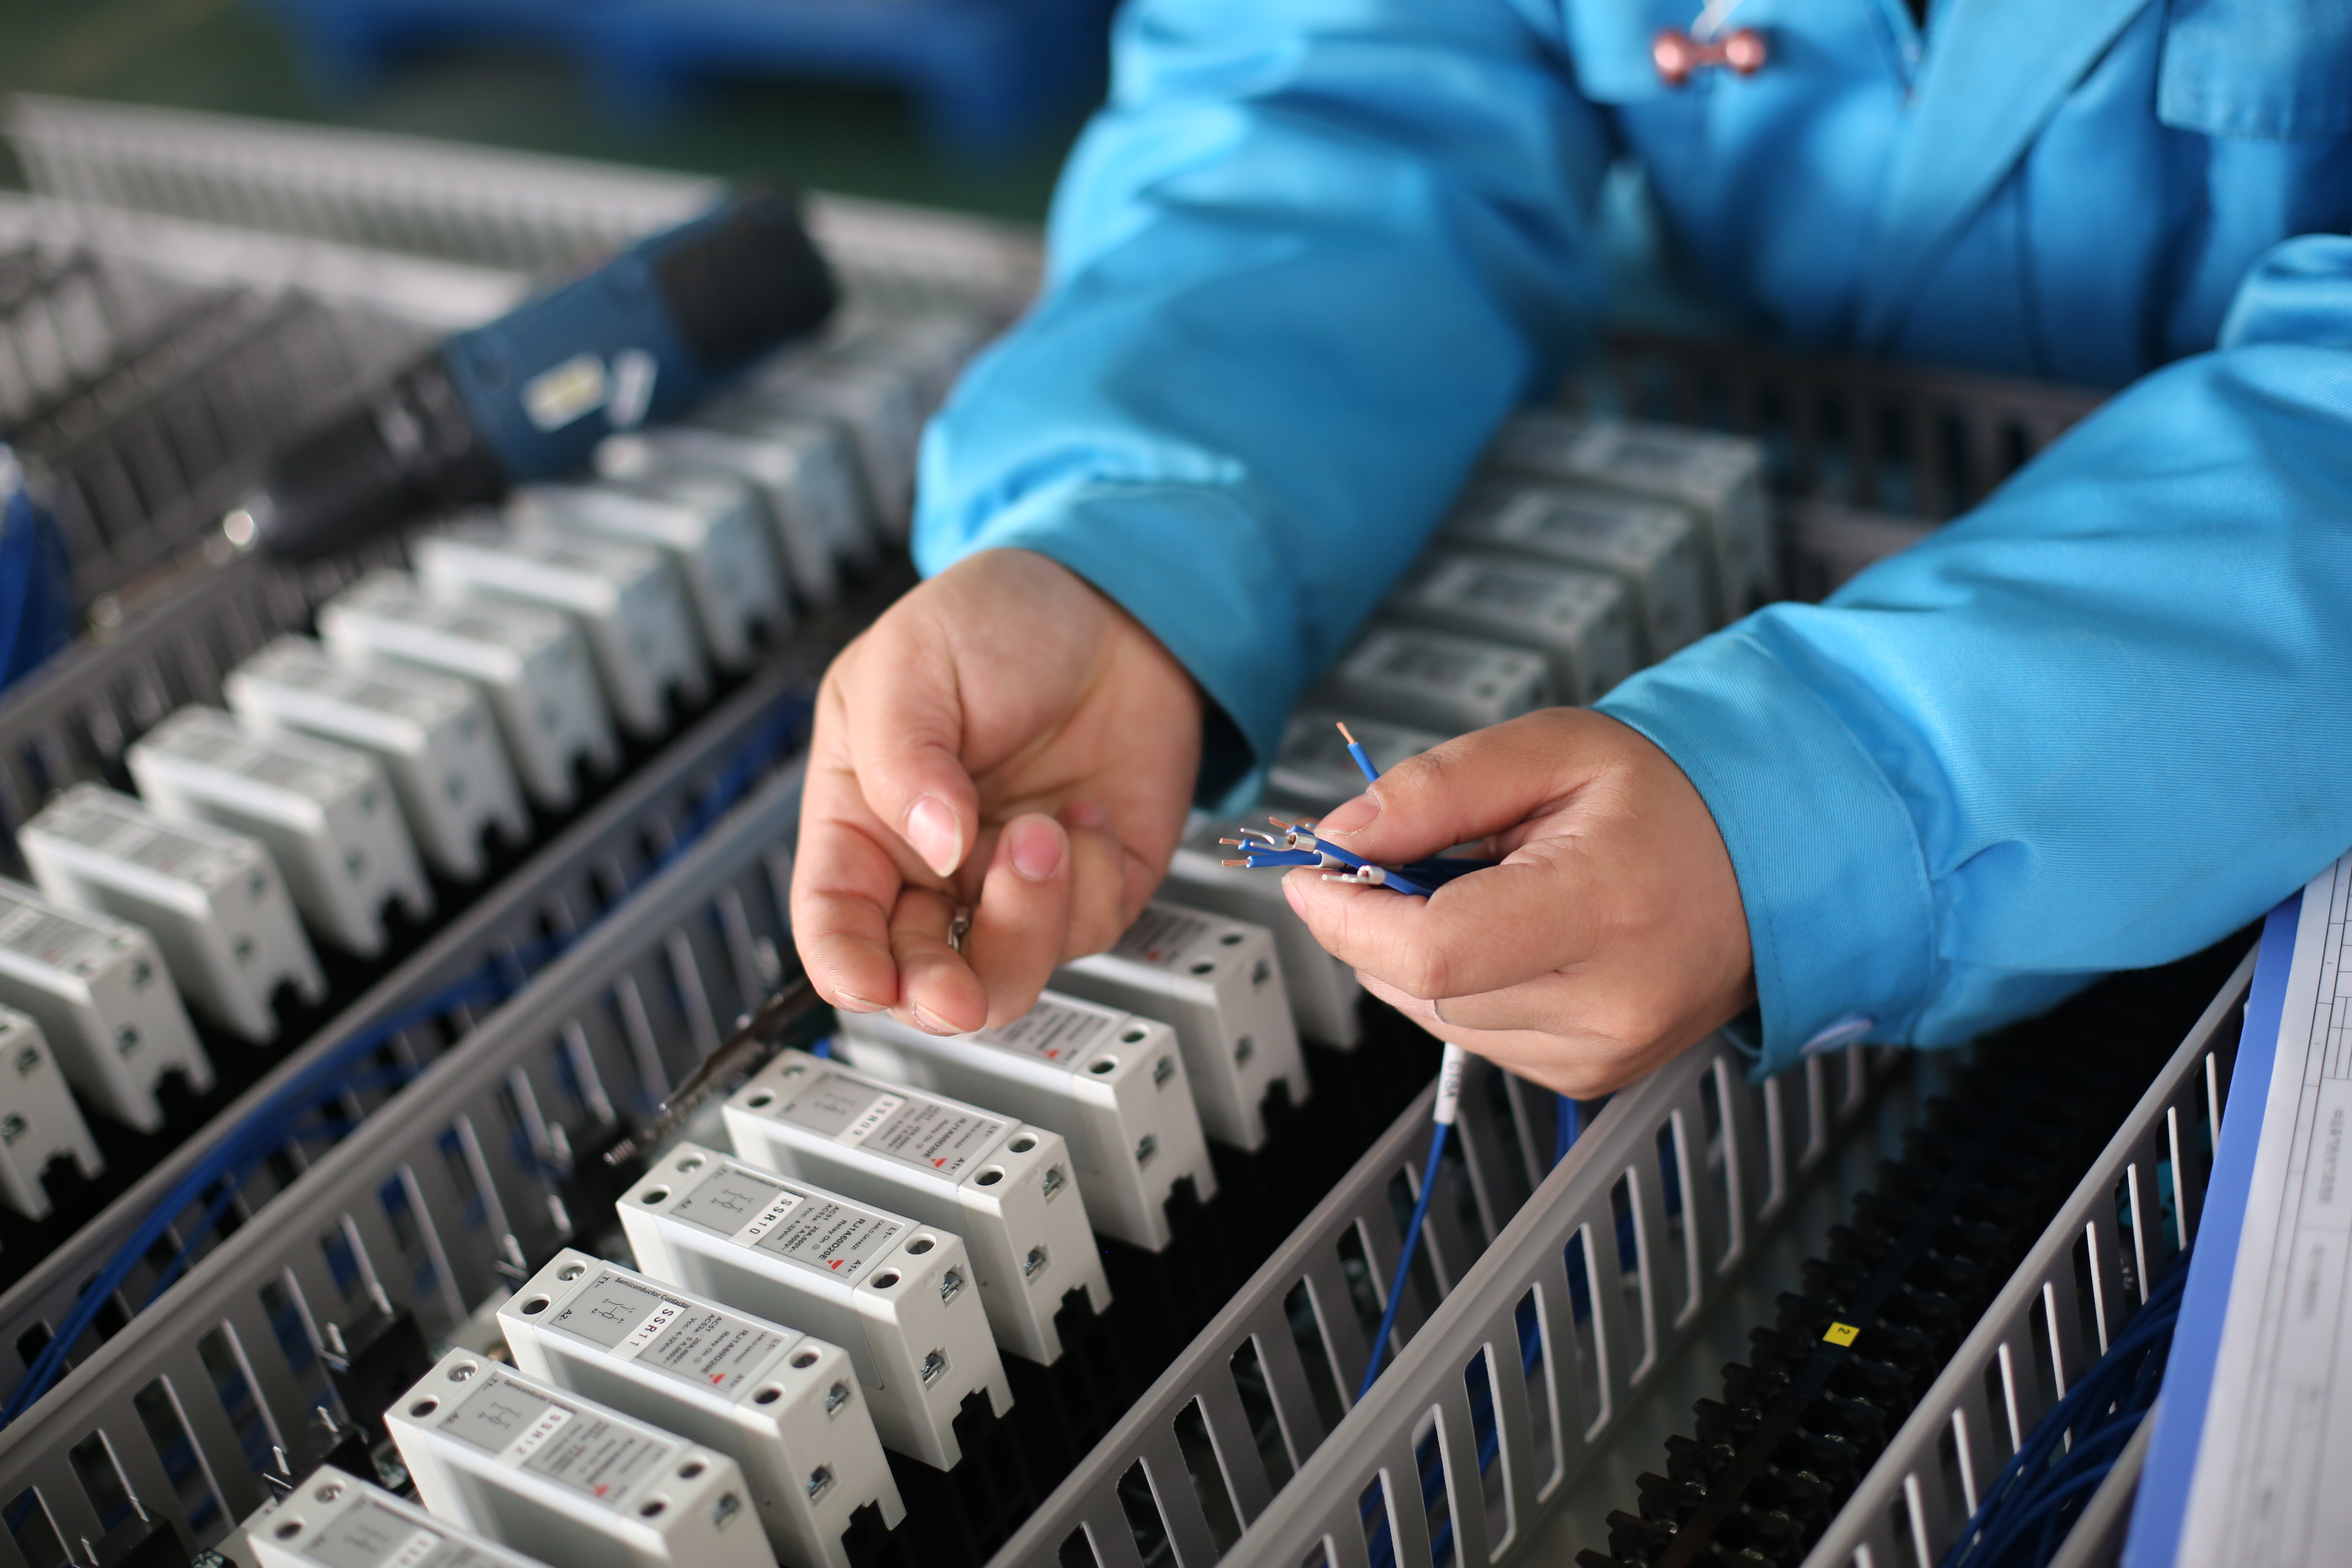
{"points": [[1004, 739]]}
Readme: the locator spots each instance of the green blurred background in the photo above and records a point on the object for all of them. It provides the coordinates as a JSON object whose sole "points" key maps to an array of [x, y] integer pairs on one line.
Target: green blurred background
{"points": [[226, 57]]}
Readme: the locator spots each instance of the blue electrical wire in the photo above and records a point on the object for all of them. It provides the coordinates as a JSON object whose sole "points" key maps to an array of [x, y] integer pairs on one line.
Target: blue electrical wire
{"points": [[1565, 1127], [2024, 1517], [1449, 1098], [271, 1125], [1297, 845]]}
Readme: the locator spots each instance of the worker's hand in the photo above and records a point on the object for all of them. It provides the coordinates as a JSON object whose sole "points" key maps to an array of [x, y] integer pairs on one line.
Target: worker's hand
{"points": [[1007, 740], [1610, 937]]}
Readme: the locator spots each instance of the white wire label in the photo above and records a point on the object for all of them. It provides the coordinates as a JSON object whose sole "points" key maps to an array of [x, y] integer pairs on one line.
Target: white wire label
{"points": [[1450, 1068], [595, 1456]]}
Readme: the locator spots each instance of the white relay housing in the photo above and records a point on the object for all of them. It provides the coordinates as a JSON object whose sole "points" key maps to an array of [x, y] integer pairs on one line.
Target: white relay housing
{"points": [[39, 1122], [1313, 768], [831, 492], [1008, 1188], [1218, 983], [211, 898], [879, 405], [802, 477], [99, 990], [712, 527], [1110, 1083], [625, 598], [1719, 477], [1578, 619], [325, 811], [898, 1297], [782, 1406], [931, 345], [566, 1479], [1437, 680], [1649, 546], [334, 1520], [1323, 991], [433, 734], [530, 664]]}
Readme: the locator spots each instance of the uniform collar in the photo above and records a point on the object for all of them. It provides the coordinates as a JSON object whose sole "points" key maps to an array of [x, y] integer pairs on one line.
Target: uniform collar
{"points": [[1995, 73]]}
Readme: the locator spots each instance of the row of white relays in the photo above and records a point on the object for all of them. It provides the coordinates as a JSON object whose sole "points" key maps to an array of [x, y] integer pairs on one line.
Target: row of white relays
{"points": [[913, 1207]]}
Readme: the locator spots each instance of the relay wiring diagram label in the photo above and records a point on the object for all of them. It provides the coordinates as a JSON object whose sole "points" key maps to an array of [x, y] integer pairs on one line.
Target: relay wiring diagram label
{"points": [[371, 1536], [816, 1230], [1056, 1031], [591, 1454], [701, 1345], [1162, 933], [905, 1126]]}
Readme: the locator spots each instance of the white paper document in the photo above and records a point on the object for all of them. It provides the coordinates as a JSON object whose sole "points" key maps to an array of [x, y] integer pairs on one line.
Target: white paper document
{"points": [[2273, 1484]]}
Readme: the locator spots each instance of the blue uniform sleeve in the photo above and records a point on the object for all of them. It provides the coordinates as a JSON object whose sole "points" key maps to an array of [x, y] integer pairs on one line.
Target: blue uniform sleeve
{"points": [[1300, 267], [2097, 724]]}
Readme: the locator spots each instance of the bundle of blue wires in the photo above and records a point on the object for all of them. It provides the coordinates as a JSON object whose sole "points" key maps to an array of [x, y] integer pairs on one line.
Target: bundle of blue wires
{"points": [[1451, 1065], [350, 1068], [2029, 1509]]}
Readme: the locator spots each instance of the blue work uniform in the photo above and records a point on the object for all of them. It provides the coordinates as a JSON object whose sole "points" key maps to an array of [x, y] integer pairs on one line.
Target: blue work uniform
{"points": [[1314, 250]]}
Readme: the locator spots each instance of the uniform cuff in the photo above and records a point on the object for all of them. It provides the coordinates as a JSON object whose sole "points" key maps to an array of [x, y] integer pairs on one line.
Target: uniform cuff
{"points": [[1840, 912], [1187, 560]]}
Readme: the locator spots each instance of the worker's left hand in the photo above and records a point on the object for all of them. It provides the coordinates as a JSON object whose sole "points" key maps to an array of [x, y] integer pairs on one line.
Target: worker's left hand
{"points": [[1610, 938]]}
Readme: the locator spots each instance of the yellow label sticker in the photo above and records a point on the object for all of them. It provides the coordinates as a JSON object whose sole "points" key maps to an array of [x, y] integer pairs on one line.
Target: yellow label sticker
{"points": [[1841, 1333]]}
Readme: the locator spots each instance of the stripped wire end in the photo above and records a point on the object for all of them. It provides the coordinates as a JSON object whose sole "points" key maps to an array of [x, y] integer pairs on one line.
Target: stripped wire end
{"points": [[1356, 751]]}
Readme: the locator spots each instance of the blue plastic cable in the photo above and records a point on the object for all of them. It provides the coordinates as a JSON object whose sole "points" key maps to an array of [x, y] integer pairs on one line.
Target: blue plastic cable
{"points": [[1449, 1101]]}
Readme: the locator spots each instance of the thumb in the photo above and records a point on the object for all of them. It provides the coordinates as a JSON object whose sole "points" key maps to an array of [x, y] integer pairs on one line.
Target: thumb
{"points": [[906, 743], [1472, 787]]}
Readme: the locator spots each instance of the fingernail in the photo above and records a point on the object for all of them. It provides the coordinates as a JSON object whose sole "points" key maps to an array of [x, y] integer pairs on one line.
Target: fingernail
{"points": [[1084, 814], [1352, 818], [1296, 894], [930, 1022], [852, 1003], [1035, 844], [935, 835]]}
